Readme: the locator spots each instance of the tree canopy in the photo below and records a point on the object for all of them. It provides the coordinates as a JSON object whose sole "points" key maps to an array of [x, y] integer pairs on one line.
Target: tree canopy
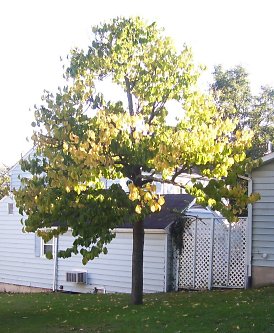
{"points": [[82, 138], [232, 93], [4, 181]]}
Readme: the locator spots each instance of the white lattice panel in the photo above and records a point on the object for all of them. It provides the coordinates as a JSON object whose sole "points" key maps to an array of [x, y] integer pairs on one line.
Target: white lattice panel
{"points": [[220, 254], [187, 258], [202, 262], [237, 272], [195, 258], [214, 254]]}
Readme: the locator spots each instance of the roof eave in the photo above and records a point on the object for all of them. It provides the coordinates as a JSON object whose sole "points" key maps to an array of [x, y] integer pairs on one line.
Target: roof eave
{"points": [[147, 231], [186, 209], [22, 158], [268, 158]]}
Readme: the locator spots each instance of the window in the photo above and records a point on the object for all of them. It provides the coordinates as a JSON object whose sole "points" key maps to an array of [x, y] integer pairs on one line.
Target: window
{"points": [[10, 208], [47, 248]]}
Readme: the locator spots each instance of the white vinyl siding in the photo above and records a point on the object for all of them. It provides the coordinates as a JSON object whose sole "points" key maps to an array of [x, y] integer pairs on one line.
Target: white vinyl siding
{"points": [[17, 172], [113, 271], [22, 264], [18, 263], [263, 216]]}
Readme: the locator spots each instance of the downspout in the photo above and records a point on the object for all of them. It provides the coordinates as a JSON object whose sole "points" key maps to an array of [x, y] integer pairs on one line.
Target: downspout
{"points": [[55, 263], [249, 234]]}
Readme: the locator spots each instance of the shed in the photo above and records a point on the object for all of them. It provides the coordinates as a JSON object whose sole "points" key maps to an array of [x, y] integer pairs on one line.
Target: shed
{"points": [[23, 262]]}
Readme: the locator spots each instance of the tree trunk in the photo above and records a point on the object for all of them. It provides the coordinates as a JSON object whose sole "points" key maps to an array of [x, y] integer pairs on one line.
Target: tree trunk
{"points": [[137, 263]]}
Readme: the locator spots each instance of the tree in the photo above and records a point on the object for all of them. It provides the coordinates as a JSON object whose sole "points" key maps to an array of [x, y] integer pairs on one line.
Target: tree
{"points": [[82, 138], [261, 121], [4, 181], [232, 94]]}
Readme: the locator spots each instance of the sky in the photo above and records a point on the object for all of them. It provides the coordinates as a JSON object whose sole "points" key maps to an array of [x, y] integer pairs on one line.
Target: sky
{"points": [[34, 34]]}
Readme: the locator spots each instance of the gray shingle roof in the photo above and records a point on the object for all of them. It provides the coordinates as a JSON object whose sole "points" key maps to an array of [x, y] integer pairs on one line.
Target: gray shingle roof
{"points": [[162, 219]]}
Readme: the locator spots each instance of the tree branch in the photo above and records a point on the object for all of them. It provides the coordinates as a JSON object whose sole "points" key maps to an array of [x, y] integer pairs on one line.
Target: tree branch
{"points": [[151, 178], [178, 172], [157, 107], [153, 113], [129, 96]]}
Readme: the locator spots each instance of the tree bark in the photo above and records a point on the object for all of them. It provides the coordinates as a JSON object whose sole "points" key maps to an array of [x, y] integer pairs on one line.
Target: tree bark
{"points": [[137, 263], [129, 97]]}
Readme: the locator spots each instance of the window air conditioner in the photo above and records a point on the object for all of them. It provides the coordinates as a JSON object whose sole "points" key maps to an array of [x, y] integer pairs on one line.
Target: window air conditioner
{"points": [[76, 277]]}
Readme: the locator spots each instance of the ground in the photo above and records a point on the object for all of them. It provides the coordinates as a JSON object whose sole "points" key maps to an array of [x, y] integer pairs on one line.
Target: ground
{"points": [[226, 311]]}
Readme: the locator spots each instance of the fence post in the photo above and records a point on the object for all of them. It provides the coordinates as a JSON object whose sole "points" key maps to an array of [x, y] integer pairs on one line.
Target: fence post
{"points": [[211, 254], [228, 255], [195, 251]]}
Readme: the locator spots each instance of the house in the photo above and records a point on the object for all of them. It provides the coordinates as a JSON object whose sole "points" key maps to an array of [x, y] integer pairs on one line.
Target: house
{"points": [[23, 263], [261, 222]]}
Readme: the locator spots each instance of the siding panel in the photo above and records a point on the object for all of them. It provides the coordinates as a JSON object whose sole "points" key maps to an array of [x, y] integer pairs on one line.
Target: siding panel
{"points": [[18, 264], [264, 168], [264, 186], [262, 212], [113, 271], [263, 216], [16, 174]]}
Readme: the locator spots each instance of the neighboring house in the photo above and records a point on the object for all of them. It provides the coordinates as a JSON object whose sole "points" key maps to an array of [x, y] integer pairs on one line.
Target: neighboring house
{"points": [[23, 262], [261, 221]]}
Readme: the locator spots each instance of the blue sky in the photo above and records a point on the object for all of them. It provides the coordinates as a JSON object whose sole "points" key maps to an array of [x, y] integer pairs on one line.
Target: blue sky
{"points": [[35, 33]]}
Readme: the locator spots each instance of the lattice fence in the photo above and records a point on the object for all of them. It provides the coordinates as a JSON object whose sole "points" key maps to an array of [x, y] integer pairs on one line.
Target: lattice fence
{"points": [[214, 254]]}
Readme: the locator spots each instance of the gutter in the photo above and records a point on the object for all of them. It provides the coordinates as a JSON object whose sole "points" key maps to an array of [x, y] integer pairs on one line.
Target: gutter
{"points": [[147, 231], [249, 234]]}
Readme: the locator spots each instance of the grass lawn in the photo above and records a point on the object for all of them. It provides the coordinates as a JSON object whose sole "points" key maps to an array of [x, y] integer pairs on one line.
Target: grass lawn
{"points": [[183, 312]]}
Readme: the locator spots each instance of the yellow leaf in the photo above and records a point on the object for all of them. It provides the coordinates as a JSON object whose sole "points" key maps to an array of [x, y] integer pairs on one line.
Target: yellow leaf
{"points": [[157, 206], [65, 146], [138, 209], [74, 137], [91, 135], [135, 135], [133, 192], [147, 196], [161, 200]]}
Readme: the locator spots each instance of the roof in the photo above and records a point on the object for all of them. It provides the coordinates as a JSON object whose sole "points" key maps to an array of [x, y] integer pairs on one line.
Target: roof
{"points": [[268, 158], [28, 153], [201, 212], [162, 219]]}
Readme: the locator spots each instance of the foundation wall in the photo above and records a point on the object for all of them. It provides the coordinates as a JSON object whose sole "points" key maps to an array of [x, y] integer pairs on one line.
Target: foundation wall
{"points": [[262, 276], [12, 288]]}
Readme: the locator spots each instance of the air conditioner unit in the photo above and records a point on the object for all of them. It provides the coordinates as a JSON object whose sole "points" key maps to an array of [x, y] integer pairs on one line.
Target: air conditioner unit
{"points": [[76, 277]]}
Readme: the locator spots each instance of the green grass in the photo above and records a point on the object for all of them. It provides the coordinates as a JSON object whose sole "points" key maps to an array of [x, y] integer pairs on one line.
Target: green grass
{"points": [[202, 312]]}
